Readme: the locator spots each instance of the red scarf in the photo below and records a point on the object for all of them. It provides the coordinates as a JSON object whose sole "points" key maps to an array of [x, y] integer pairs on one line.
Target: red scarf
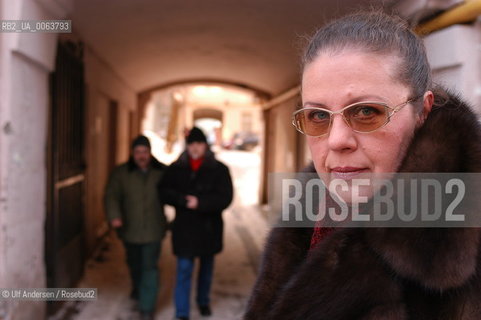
{"points": [[195, 163], [318, 234]]}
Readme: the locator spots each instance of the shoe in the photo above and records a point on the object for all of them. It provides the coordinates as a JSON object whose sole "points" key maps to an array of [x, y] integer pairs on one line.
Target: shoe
{"points": [[147, 316], [205, 311]]}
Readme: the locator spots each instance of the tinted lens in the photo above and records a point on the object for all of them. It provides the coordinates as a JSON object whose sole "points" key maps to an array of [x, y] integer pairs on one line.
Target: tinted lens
{"points": [[366, 117], [313, 122]]}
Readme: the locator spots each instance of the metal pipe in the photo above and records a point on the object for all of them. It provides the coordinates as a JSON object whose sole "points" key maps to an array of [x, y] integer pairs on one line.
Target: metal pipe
{"points": [[466, 12]]}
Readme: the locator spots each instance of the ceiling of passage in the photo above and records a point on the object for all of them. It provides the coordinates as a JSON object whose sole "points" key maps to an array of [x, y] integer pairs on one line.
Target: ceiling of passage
{"points": [[253, 43]]}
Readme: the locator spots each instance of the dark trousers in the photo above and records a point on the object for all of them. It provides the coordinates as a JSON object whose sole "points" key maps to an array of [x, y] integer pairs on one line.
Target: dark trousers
{"points": [[142, 261], [185, 266]]}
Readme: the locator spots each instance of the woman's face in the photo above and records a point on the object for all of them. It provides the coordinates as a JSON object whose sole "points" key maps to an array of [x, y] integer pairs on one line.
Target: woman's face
{"points": [[337, 80]]}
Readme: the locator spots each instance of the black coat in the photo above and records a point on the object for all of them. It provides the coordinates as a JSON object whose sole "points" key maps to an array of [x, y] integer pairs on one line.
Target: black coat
{"points": [[197, 232], [383, 273]]}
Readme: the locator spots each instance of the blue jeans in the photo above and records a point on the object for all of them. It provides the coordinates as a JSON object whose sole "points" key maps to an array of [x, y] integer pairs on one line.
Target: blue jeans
{"points": [[185, 266]]}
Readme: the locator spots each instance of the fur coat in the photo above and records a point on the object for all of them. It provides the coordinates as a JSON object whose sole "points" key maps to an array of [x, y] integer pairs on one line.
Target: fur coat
{"points": [[383, 273]]}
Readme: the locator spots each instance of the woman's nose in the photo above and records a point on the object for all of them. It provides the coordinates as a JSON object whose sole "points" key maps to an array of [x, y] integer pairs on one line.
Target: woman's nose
{"points": [[341, 137]]}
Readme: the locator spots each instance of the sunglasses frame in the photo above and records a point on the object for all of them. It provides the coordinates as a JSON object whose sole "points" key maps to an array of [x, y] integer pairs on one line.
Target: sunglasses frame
{"points": [[392, 111]]}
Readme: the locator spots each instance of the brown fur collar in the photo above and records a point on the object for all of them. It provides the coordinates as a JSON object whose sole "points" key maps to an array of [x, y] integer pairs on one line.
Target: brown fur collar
{"points": [[449, 141]]}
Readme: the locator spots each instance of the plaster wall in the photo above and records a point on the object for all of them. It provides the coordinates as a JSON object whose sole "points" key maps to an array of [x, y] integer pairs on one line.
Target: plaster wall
{"points": [[103, 87], [282, 147], [25, 63], [454, 54], [282, 138]]}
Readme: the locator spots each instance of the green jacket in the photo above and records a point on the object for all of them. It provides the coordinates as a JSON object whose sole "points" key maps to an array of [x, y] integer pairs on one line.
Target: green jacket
{"points": [[132, 196]]}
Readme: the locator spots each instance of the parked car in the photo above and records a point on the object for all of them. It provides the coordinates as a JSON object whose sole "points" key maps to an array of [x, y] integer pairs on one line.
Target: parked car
{"points": [[242, 141]]}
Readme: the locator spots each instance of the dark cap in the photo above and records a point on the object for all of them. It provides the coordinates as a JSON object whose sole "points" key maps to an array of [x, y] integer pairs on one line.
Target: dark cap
{"points": [[196, 135], [141, 141]]}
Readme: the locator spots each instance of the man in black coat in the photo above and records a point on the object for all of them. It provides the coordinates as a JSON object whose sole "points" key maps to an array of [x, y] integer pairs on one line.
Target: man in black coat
{"points": [[200, 188]]}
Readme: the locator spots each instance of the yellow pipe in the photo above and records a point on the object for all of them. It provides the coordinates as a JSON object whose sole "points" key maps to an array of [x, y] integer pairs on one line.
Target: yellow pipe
{"points": [[466, 12]]}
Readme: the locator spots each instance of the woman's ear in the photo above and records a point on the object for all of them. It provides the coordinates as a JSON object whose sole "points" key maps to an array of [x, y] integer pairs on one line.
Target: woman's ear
{"points": [[428, 100]]}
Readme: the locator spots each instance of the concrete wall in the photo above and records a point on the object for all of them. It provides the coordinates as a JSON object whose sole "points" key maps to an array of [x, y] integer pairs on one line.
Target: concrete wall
{"points": [[455, 57], [282, 138], [25, 63], [285, 149]]}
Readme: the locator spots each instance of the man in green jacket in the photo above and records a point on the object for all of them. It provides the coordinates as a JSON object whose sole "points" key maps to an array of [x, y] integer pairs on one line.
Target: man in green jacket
{"points": [[133, 208]]}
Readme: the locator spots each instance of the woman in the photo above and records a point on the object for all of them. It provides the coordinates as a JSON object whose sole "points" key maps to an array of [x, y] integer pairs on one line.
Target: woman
{"points": [[382, 273]]}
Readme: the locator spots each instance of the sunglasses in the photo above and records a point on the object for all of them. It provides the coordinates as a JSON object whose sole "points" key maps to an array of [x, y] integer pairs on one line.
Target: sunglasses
{"points": [[364, 117]]}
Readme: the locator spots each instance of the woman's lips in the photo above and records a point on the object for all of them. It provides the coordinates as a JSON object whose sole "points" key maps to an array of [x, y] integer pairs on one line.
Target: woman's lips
{"points": [[346, 173]]}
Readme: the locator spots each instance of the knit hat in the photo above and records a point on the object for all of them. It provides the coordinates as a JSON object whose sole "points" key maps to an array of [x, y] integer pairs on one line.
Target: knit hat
{"points": [[196, 135], [141, 141]]}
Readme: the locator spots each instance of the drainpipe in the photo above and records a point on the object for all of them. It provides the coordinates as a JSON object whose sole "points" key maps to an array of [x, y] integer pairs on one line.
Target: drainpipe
{"points": [[463, 13], [289, 94]]}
